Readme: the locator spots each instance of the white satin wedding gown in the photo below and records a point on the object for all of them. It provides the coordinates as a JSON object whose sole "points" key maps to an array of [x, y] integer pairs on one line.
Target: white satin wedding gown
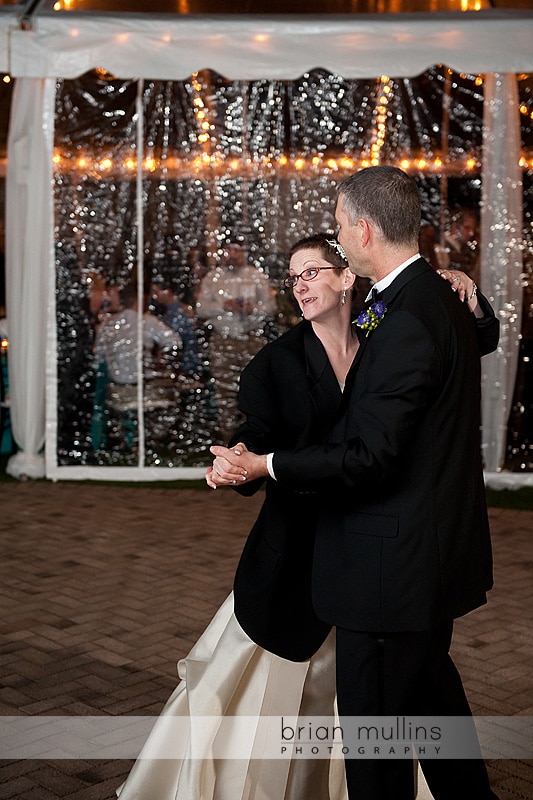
{"points": [[227, 675]]}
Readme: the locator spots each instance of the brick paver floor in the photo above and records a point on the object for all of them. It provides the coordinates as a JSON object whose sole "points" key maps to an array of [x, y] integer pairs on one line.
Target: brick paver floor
{"points": [[104, 587]]}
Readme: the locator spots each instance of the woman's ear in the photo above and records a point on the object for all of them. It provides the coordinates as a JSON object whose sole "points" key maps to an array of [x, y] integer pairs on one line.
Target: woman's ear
{"points": [[349, 278]]}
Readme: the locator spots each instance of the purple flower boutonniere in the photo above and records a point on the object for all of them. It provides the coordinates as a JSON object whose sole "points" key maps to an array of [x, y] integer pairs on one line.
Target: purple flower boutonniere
{"points": [[370, 318]]}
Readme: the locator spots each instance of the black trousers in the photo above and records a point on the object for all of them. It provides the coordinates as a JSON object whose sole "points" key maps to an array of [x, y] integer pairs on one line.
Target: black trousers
{"points": [[397, 675]]}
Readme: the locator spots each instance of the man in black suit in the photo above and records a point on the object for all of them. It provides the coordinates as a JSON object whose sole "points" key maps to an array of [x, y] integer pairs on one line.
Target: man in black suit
{"points": [[402, 543]]}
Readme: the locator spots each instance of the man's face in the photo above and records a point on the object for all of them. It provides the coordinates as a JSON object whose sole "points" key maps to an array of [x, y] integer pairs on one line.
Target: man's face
{"points": [[235, 256], [468, 228], [159, 295]]}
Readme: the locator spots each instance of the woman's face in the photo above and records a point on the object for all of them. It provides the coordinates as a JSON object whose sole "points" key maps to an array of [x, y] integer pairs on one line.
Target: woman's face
{"points": [[322, 294]]}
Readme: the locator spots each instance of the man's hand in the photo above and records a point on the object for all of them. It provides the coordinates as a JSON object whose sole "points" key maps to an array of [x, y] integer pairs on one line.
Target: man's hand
{"points": [[235, 465]]}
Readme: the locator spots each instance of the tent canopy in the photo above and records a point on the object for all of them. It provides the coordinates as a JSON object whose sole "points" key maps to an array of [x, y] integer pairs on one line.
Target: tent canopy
{"points": [[277, 47]]}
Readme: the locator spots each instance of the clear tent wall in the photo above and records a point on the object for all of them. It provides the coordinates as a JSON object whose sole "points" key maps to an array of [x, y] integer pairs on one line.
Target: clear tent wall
{"points": [[152, 177]]}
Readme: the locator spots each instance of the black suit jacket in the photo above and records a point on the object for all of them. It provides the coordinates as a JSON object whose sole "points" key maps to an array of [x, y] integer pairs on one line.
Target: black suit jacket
{"points": [[402, 538], [288, 393]]}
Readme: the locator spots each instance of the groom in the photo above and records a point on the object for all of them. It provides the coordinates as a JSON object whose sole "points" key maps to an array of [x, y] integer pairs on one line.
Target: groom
{"points": [[402, 544]]}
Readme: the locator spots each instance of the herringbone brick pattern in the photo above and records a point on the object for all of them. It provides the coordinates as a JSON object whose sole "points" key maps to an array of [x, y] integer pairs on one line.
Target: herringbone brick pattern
{"points": [[104, 587]]}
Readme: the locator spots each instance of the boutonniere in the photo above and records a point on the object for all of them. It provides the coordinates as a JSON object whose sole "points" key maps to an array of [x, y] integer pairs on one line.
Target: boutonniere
{"points": [[370, 318]]}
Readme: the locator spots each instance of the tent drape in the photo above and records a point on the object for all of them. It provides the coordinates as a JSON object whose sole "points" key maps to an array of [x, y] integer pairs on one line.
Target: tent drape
{"points": [[245, 48], [501, 261], [29, 252]]}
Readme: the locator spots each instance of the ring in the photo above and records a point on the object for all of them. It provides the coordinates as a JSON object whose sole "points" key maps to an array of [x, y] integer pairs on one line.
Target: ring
{"points": [[453, 280]]}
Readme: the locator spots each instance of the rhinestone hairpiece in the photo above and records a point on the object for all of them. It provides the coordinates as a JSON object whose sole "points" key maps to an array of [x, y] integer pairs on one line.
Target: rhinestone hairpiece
{"points": [[337, 247]]}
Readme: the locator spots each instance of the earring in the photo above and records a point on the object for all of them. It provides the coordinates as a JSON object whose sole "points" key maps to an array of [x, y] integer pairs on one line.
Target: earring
{"points": [[343, 297]]}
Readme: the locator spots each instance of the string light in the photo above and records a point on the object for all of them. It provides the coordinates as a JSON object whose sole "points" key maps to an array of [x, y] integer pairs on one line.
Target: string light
{"points": [[315, 164], [379, 130], [212, 162]]}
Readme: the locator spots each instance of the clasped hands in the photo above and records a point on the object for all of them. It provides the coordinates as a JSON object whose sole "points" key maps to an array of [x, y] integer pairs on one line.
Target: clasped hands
{"points": [[235, 465]]}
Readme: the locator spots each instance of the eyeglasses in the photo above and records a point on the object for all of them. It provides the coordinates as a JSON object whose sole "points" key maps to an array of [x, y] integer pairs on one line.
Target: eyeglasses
{"points": [[307, 275]]}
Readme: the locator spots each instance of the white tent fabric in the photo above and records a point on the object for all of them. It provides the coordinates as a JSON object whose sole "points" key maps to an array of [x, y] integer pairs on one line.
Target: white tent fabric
{"points": [[29, 254], [501, 259], [245, 48], [284, 47], [8, 22]]}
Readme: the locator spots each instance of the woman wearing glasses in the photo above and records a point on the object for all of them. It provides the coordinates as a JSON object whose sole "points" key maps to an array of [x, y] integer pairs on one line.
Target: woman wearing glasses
{"points": [[265, 653]]}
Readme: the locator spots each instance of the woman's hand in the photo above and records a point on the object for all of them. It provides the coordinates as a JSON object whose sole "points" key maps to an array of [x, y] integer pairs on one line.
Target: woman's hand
{"points": [[226, 469], [235, 465], [465, 287]]}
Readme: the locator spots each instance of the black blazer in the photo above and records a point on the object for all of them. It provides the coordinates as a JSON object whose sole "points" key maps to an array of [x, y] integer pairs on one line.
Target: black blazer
{"points": [[402, 538], [288, 393], [291, 399]]}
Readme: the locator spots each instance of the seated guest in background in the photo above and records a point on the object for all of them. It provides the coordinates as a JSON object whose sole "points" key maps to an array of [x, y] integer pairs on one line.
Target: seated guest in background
{"points": [[236, 300], [116, 352], [197, 268], [427, 244], [104, 299], [461, 243], [179, 316]]}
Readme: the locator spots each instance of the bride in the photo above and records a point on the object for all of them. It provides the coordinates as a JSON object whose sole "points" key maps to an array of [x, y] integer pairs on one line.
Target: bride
{"points": [[265, 654]]}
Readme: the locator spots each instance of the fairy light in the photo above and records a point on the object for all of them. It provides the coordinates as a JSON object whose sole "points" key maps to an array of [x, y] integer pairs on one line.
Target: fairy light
{"points": [[213, 161], [379, 131], [347, 163], [220, 163]]}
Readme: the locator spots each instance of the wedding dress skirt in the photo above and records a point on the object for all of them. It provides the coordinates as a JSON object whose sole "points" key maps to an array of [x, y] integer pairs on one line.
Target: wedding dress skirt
{"points": [[226, 675]]}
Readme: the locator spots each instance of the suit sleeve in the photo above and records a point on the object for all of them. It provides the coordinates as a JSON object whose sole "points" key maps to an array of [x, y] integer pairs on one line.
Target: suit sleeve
{"points": [[257, 431], [487, 327]]}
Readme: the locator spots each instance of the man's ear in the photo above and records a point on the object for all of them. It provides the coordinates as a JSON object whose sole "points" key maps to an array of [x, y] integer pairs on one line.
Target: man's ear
{"points": [[363, 230]]}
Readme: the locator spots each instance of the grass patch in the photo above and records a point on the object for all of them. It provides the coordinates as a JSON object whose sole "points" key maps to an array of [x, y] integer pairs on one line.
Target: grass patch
{"points": [[504, 498], [509, 498]]}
